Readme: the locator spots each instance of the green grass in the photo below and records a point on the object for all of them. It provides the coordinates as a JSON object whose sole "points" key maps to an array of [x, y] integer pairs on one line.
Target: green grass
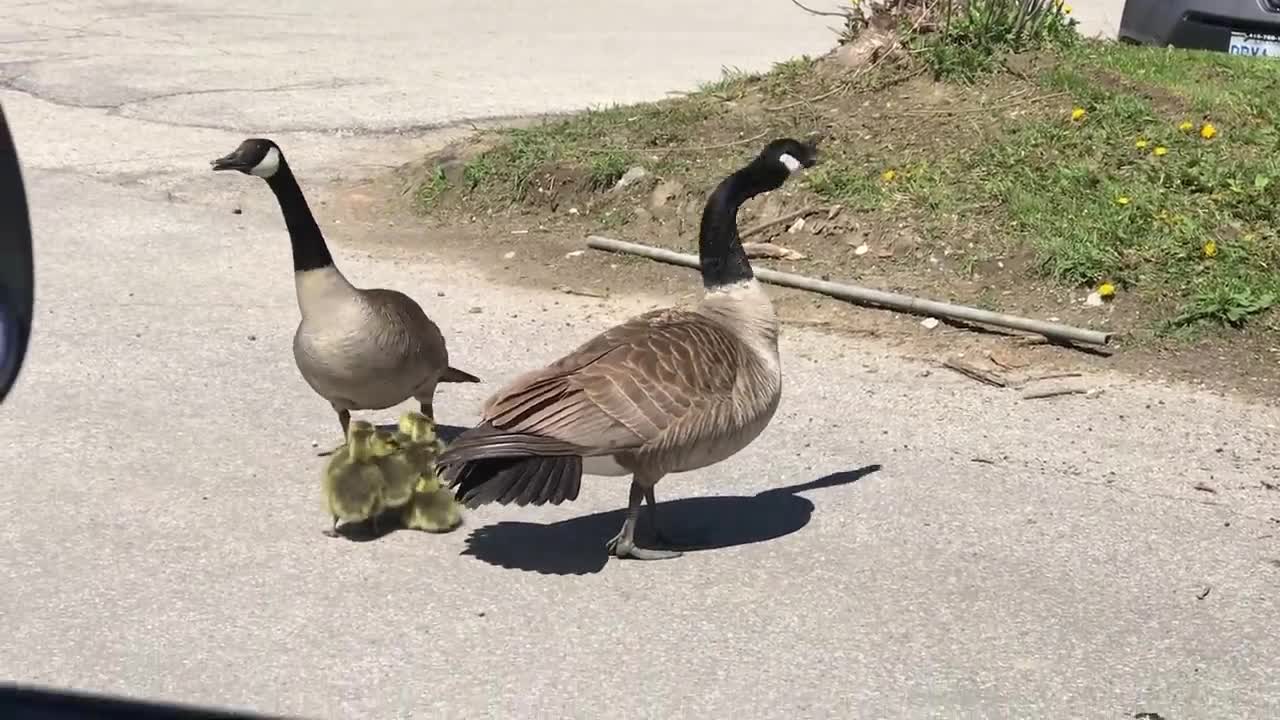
{"points": [[1192, 232], [1098, 203], [976, 35]]}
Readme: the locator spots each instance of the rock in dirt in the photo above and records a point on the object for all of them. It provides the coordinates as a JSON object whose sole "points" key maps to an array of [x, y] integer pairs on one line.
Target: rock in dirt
{"points": [[929, 323], [1094, 299], [664, 192], [866, 49], [796, 226], [631, 177]]}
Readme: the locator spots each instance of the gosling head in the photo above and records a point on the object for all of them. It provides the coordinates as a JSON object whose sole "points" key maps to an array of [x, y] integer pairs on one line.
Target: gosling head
{"points": [[410, 422], [255, 156], [360, 438], [384, 444], [417, 427]]}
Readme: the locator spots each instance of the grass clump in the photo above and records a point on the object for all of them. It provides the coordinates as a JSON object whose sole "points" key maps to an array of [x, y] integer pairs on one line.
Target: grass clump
{"points": [[976, 35], [1133, 188], [1153, 171]]}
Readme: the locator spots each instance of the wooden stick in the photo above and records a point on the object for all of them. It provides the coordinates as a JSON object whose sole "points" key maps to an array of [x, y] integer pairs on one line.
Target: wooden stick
{"points": [[867, 296], [1056, 392], [778, 221], [975, 373]]}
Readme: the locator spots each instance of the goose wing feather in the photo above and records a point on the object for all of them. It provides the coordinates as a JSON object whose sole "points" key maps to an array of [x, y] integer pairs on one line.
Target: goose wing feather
{"points": [[408, 332], [626, 387]]}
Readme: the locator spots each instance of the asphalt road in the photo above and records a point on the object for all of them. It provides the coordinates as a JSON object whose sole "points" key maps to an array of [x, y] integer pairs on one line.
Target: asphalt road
{"points": [[899, 543]]}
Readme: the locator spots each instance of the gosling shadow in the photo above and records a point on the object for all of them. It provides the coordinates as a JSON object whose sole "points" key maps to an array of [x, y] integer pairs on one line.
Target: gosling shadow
{"points": [[577, 546]]}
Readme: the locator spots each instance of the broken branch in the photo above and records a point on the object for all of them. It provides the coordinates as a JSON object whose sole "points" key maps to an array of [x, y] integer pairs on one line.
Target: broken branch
{"points": [[867, 296]]}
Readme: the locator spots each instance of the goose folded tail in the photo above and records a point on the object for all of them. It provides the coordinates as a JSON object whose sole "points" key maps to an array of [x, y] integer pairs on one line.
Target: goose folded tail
{"points": [[485, 465], [454, 375]]}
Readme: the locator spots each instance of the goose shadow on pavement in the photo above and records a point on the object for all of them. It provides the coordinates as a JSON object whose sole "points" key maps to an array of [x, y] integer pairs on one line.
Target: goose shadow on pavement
{"points": [[577, 546]]}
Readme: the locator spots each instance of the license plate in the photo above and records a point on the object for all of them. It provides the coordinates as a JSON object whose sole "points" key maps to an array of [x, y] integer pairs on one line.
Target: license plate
{"points": [[1254, 45]]}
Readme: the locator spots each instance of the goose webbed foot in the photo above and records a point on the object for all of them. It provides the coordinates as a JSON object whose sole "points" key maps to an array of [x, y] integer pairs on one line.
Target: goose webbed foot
{"points": [[623, 548], [623, 545], [332, 530]]}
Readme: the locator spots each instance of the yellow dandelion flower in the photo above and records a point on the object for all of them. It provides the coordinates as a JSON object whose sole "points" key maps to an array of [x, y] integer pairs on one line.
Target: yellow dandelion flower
{"points": [[1066, 9], [1161, 151], [1210, 249], [1122, 200], [1186, 126], [1141, 144], [1106, 290], [1207, 131], [1077, 114], [888, 175]]}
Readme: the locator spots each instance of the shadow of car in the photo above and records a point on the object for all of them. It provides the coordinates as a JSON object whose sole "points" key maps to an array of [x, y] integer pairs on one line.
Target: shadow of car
{"points": [[1238, 27]]}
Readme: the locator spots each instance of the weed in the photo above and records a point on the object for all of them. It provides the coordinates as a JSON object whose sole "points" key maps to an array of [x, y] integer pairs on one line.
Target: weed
{"points": [[607, 167], [848, 183], [431, 189], [977, 34]]}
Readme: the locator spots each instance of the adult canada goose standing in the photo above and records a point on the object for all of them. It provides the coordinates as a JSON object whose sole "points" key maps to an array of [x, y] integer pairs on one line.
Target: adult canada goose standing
{"points": [[668, 391], [360, 349]]}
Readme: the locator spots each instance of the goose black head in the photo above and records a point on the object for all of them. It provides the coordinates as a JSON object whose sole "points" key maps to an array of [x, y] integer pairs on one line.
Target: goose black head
{"points": [[780, 159], [255, 156]]}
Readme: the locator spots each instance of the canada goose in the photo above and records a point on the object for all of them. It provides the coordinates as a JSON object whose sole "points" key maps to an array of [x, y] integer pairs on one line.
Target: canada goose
{"points": [[360, 349], [353, 483], [671, 390]]}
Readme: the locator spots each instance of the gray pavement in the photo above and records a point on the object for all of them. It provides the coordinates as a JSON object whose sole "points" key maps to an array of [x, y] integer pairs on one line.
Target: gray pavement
{"points": [[899, 544]]}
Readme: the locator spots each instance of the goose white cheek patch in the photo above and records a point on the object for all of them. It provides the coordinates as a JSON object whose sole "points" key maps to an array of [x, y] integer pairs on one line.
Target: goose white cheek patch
{"points": [[268, 166], [791, 163]]}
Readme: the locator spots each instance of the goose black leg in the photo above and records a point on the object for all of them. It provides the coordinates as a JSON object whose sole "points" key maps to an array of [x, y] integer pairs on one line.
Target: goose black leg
{"points": [[344, 419], [429, 411], [623, 545]]}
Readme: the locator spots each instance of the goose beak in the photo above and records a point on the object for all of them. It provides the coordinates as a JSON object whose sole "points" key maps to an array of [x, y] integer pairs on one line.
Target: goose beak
{"points": [[230, 162]]}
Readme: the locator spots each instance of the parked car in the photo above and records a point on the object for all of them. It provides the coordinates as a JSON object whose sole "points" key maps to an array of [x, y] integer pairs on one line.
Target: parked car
{"points": [[1239, 27]]}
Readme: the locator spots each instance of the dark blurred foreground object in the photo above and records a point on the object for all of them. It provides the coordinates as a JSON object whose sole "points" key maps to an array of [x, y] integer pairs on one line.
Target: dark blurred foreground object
{"points": [[16, 275], [1239, 27], [34, 704]]}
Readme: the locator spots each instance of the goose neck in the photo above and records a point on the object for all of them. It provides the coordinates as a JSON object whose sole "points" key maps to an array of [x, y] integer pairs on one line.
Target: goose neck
{"points": [[723, 259], [310, 252]]}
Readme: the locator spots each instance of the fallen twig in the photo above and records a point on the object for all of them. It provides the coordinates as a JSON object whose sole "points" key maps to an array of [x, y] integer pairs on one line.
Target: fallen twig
{"points": [[1205, 488], [1022, 382], [823, 13], [975, 373], [1057, 392], [779, 220], [868, 296], [585, 293], [1204, 593], [1006, 364]]}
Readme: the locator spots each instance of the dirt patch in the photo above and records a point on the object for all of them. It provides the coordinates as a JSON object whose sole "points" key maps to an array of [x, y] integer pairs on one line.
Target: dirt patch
{"points": [[549, 252], [1021, 192]]}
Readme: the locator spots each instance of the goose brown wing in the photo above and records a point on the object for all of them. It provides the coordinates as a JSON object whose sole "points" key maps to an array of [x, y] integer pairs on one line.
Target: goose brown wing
{"points": [[624, 388]]}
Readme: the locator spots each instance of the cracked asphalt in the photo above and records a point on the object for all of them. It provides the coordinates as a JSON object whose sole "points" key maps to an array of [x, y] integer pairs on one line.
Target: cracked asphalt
{"points": [[901, 542]]}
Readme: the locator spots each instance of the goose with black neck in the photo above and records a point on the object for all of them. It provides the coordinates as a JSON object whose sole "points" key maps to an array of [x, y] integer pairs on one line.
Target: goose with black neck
{"points": [[669, 391], [358, 348]]}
